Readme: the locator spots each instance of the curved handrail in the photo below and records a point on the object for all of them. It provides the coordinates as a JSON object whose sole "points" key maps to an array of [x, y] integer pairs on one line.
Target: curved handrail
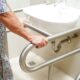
{"points": [[26, 50], [23, 56]]}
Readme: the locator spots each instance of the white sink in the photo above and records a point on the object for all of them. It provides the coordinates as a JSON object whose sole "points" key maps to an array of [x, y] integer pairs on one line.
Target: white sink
{"points": [[52, 19]]}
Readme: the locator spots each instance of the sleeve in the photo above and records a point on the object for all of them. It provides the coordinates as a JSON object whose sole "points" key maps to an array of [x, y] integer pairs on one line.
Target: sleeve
{"points": [[3, 6]]}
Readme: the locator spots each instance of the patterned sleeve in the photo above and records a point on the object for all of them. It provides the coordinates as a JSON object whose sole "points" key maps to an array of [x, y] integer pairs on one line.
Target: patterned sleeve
{"points": [[3, 6]]}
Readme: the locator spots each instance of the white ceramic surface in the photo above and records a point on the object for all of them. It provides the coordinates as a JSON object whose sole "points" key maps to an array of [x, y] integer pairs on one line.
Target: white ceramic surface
{"points": [[52, 18]]}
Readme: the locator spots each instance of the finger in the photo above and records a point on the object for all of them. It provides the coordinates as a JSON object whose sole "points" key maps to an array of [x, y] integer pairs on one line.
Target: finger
{"points": [[41, 44], [45, 42]]}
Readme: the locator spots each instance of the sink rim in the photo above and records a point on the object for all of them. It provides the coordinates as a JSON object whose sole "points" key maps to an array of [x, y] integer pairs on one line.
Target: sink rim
{"points": [[34, 15]]}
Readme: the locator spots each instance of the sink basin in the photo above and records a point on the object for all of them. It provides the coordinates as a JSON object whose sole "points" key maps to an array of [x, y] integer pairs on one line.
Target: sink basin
{"points": [[53, 19]]}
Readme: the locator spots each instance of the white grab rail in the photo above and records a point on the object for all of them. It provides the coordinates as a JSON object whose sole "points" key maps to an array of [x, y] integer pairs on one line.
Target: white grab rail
{"points": [[28, 48], [25, 67]]}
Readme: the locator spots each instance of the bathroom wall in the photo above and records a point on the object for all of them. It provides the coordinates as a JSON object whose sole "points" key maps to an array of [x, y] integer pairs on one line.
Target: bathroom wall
{"points": [[16, 4], [32, 2], [74, 3]]}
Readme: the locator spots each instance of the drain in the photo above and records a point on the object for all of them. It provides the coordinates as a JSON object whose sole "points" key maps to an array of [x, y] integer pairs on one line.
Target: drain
{"points": [[31, 63]]}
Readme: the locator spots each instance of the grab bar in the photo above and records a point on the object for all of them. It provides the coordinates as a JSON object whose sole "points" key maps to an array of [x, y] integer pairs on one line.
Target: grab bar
{"points": [[36, 29], [28, 48]]}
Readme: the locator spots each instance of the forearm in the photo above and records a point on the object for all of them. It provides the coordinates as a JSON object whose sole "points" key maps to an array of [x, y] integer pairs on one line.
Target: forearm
{"points": [[13, 24]]}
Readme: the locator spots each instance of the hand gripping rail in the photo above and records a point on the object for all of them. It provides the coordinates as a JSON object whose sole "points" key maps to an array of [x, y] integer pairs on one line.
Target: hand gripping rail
{"points": [[28, 48]]}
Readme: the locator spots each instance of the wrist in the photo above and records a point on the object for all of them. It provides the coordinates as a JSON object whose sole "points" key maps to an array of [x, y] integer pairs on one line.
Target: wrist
{"points": [[30, 37]]}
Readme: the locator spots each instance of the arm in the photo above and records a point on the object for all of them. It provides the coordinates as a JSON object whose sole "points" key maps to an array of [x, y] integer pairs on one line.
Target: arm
{"points": [[10, 20], [13, 24]]}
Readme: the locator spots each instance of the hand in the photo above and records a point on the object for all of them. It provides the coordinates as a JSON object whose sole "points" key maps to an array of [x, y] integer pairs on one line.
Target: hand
{"points": [[39, 41]]}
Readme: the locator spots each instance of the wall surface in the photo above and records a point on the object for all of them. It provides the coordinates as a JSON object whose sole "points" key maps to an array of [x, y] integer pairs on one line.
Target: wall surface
{"points": [[15, 4], [32, 2], [74, 3]]}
